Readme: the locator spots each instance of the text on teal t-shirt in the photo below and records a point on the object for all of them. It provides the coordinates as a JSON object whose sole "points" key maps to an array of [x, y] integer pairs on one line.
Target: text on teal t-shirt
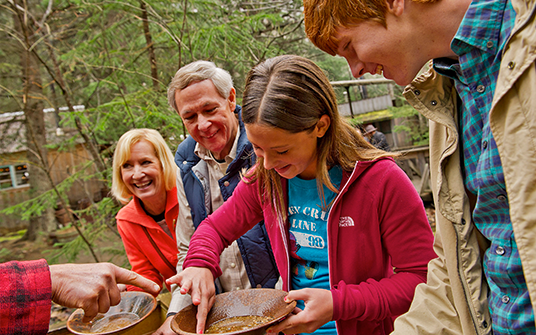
{"points": [[308, 236]]}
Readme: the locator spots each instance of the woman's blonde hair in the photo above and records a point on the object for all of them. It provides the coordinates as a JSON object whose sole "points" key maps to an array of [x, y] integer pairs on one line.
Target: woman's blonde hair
{"points": [[292, 93], [122, 154]]}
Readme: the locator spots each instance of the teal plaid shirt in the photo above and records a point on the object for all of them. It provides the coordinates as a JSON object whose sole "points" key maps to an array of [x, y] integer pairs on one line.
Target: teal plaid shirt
{"points": [[479, 43]]}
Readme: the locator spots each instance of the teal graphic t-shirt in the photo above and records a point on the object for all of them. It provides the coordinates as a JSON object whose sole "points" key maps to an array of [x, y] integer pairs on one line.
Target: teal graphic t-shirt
{"points": [[308, 236]]}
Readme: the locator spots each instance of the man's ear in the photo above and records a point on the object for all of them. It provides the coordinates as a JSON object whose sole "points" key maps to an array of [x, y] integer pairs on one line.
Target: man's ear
{"points": [[232, 99], [396, 7]]}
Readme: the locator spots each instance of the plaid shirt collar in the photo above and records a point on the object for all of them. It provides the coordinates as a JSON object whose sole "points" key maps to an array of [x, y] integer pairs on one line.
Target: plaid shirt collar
{"points": [[480, 29]]}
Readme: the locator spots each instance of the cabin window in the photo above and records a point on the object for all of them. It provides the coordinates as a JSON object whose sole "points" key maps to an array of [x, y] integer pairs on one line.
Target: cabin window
{"points": [[13, 176]]}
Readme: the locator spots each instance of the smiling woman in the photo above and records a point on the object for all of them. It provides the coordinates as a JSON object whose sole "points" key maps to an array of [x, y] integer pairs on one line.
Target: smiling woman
{"points": [[143, 169], [142, 175]]}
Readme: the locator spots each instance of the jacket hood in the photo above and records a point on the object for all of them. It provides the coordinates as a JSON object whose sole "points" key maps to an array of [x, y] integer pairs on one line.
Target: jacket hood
{"points": [[360, 167]]}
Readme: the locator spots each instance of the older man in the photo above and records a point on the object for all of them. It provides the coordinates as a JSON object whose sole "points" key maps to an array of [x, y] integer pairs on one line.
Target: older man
{"points": [[479, 97], [210, 161]]}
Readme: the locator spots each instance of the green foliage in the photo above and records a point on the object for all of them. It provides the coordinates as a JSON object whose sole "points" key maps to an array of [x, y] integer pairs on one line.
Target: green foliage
{"points": [[12, 236], [5, 255], [32, 207], [358, 120], [70, 250], [413, 124], [113, 253], [96, 54]]}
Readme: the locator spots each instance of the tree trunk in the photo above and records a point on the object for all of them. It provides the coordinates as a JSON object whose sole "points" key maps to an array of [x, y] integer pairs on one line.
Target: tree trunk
{"points": [[35, 132], [150, 46]]}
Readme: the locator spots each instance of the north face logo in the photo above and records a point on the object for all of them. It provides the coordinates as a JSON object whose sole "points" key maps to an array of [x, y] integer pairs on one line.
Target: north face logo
{"points": [[346, 221]]}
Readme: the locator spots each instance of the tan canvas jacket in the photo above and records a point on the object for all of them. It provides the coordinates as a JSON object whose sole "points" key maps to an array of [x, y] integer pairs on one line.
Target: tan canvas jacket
{"points": [[454, 299]]}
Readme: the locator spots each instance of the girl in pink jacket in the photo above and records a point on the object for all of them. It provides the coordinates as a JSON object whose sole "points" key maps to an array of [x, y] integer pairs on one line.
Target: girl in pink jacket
{"points": [[348, 230]]}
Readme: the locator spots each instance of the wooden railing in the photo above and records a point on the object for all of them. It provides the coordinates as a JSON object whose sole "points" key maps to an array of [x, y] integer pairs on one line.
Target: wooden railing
{"points": [[415, 162]]}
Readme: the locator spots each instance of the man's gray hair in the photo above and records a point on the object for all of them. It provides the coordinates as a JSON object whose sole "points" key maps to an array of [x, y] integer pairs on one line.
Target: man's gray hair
{"points": [[198, 71]]}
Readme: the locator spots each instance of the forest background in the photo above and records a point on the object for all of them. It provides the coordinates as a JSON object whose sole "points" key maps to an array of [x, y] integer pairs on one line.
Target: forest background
{"points": [[116, 59]]}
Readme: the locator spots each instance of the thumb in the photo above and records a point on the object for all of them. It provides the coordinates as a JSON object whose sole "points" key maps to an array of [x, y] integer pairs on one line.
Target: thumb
{"points": [[294, 295]]}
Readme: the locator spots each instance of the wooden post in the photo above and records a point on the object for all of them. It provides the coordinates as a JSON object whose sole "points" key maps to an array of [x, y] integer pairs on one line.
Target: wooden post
{"points": [[349, 100]]}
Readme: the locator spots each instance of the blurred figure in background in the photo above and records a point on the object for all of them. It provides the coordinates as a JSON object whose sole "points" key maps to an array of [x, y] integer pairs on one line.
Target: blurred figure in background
{"points": [[376, 138]]}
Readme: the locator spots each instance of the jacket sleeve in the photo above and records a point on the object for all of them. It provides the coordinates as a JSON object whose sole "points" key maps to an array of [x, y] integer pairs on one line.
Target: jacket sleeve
{"points": [[405, 240], [138, 261], [433, 297], [436, 308], [183, 231], [236, 216], [25, 297], [456, 290]]}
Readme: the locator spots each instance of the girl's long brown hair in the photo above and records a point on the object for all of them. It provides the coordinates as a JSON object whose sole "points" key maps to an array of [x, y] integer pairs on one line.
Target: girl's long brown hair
{"points": [[292, 93]]}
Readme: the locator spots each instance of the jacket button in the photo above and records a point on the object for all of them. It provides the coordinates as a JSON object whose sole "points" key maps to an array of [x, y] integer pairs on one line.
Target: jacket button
{"points": [[481, 88], [511, 65], [226, 183], [505, 299], [499, 251], [501, 197], [233, 265], [417, 92], [484, 144], [463, 221], [433, 102], [185, 162], [489, 44], [484, 324]]}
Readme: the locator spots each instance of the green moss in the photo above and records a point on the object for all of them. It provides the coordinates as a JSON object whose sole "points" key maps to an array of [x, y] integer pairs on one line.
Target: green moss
{"points": [[370, 117], [13, 236]]}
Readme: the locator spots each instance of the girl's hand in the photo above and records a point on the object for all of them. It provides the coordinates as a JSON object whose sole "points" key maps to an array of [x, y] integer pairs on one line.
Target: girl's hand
{"points": [[318, 311], [199, 283]]}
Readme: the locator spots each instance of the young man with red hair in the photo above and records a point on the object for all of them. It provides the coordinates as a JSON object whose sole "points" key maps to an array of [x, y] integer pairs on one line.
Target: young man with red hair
{"points": [[479, 98]]}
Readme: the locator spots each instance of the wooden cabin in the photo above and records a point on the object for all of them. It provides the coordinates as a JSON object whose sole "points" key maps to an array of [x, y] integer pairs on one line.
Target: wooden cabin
{"points": [[15, 178]]}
